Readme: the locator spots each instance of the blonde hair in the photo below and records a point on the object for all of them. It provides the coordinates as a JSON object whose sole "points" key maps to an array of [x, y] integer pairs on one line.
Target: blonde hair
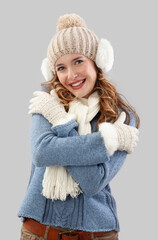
{"points": [[110, 100]]}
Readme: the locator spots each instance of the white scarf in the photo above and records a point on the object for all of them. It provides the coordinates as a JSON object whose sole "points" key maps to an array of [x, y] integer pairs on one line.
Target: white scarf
{"points": [[57, 182]]}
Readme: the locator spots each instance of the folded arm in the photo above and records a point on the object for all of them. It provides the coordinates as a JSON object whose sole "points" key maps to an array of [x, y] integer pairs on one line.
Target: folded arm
{"points": [[61, 145], [92, 179]]}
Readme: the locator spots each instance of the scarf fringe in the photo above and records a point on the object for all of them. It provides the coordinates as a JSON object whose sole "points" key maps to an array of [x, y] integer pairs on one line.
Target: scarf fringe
{"points": [[58, 183]]}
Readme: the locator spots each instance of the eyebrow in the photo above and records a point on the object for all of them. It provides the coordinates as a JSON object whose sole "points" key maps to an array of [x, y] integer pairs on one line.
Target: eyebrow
{"points": [[71, 61]]}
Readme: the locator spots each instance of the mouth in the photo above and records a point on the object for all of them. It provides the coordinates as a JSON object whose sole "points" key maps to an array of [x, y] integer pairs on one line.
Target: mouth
{"points": [[78, 84]]}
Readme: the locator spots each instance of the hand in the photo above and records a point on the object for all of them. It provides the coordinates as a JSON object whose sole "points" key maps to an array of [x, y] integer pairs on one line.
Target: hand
{"points": [[119, 136], [50, 107], [127, 135]]}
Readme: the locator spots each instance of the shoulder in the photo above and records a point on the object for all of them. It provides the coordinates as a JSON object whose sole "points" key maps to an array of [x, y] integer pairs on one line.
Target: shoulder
{"points": [[132, 119], [44, 89]]}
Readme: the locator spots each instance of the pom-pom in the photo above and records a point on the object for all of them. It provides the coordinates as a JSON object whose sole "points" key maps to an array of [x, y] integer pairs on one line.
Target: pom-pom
{"points": [[70, 20]]}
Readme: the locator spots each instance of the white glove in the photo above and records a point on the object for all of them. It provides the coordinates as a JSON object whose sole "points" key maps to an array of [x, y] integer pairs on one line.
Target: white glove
{"points": [[50, 107], [119, 136]]}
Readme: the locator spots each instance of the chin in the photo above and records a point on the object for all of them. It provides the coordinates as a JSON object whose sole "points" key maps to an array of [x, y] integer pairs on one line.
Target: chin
{"points": [[81, 95]]}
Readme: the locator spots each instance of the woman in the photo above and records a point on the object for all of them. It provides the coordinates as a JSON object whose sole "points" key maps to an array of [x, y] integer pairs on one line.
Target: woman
{"points": [[81, 133]]}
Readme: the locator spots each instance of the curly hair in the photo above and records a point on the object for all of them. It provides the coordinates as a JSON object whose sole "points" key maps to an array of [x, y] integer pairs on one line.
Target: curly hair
{"points": [[110, 100]]}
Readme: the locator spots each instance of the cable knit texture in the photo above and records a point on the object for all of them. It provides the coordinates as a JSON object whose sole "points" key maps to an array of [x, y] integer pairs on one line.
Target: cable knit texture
{"points": [[119, 136], [85, 157], [57, 182], [72, 36], [50, 107]]}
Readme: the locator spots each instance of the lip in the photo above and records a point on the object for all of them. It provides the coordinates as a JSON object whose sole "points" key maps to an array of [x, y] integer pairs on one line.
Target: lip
{"points": [[77, 81], [80, 86]]}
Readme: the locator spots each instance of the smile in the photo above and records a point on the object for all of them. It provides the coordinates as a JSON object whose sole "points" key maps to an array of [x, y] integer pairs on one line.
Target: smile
{"points": [[78, 84]]}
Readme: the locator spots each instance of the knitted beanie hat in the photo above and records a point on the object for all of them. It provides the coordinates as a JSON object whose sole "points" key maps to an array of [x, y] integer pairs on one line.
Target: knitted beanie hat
{"points": [[73, 36]]}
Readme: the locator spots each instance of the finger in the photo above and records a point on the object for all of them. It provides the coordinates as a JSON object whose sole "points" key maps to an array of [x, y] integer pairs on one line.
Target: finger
{"points": [[136, 138], [121, 118], [31, 106], [34, 105], [134, 144], [33, 110], [37, 99], [38, 93], [32, 100], [131, 150], [29, 112], [53, 93], [136, 131]]}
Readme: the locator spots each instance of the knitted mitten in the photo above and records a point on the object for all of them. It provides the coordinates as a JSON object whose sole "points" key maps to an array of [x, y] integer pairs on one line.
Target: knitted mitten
{"points": [[119, 136], [50, 107]]}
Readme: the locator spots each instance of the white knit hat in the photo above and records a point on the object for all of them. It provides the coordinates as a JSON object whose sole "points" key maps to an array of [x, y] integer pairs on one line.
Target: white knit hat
{"points": [[73, 36]]}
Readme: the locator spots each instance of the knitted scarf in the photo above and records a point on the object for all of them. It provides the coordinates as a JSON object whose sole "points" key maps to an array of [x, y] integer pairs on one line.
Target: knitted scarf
{"points": [[57, 182]]}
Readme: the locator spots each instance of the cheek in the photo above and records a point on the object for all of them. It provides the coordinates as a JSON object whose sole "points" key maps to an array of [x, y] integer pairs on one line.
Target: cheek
{"points": [[61, 79], [92, 72], [86, 70]]}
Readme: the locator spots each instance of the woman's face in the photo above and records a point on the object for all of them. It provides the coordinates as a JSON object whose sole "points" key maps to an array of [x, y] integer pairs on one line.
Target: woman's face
{"points": [[77, 73]]}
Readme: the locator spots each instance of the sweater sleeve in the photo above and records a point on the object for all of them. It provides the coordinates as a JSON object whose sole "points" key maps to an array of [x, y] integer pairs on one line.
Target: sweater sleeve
{"points": [[92, 179], [61, 144]]}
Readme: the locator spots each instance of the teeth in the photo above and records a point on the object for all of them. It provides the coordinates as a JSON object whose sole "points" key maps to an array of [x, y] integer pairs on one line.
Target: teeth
{"points": [[76, 84]]}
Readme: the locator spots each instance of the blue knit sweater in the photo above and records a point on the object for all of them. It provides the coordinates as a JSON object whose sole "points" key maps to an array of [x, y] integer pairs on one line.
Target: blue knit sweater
{"points": [[86, 159]]}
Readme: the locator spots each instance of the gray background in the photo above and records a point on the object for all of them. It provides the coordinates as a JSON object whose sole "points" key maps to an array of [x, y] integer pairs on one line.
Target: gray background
{"points": [[130, 26]]}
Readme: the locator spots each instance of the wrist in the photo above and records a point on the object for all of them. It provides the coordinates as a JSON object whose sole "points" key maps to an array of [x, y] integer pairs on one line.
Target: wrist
{"points": [[64, 118], [121, 136]]}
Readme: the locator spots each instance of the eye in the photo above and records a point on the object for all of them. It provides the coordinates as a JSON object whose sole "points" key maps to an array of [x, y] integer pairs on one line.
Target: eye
{"points": [[79, 61], [59, 69]]}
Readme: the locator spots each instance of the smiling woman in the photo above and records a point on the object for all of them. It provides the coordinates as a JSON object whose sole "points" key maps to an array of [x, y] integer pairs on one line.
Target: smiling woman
{"points": [[77, 74], [81, 133]]}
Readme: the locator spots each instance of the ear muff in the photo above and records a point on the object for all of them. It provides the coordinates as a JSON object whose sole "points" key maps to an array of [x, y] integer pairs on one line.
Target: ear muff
{"points": [[46, 71], [105, 55]]}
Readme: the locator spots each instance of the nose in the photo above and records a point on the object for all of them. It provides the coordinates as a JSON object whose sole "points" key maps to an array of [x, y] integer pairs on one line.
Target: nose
{"points": [[71, 74]]}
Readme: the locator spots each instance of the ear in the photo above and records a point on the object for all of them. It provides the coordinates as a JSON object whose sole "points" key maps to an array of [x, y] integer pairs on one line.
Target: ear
{"points": [[105, 55], [46, 71]]}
